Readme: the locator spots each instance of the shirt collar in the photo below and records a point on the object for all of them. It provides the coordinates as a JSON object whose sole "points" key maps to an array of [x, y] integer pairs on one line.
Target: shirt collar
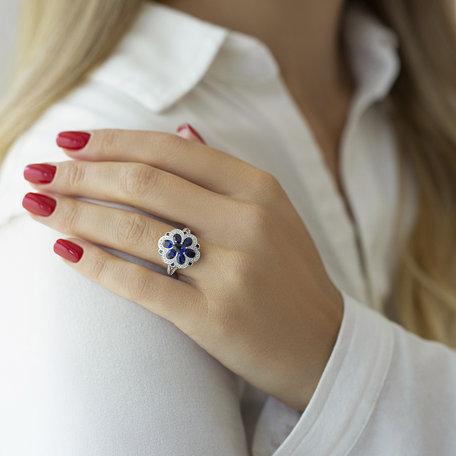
{"points": [[167, 52], [164, 54], [372, 55]]}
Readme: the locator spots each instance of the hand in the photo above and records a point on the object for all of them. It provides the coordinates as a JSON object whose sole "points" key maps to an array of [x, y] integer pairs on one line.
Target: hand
{"points": [[259, 299]]}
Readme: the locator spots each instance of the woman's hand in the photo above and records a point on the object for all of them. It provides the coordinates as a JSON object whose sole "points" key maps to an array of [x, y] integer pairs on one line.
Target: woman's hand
{"points": [[259, 299]]}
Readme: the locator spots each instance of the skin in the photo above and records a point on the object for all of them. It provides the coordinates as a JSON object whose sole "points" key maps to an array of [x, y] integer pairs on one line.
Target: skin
{"points": [[238, 212], [303, 36], [271, 318]]}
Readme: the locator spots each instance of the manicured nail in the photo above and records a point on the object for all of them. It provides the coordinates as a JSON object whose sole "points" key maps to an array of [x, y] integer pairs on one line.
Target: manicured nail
{"points": [[72, 139], [68, 250], [39, 204], [187, 125], [39, 173]]}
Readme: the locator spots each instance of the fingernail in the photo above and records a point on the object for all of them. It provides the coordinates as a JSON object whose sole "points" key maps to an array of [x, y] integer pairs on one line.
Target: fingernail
{"points": [[39, 204], [187, 125], [39, 173], [68, 250], [72, 139]]}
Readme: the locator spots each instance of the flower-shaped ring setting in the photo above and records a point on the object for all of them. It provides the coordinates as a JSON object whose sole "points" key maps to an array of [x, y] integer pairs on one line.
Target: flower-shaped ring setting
{"points": [[179, 249]]}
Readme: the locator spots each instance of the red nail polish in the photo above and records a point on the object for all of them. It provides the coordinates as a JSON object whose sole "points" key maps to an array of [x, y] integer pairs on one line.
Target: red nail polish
{"points": [[39, 173], [39, 204], [187, 125], [68, 250], [72, 139]]}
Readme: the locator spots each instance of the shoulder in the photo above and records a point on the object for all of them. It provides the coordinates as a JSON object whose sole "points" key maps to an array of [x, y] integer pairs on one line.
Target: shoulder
{"points": [[162, 58], [93, 105]]}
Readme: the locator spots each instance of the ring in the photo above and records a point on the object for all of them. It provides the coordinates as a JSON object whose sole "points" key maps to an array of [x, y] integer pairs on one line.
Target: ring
{"points": [[179, 249]]}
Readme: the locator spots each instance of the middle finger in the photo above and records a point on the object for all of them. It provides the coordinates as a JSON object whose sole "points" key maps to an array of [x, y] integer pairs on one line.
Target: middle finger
{"points": [[147, 188]]}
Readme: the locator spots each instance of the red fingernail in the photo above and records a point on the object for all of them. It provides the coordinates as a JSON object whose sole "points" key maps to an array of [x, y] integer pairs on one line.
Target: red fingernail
{"points": [[187, 125], [68, 250], [39, 173], [72, 139], [39, 204]]}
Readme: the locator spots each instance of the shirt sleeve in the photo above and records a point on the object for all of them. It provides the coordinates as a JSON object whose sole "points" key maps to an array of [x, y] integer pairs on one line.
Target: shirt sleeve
{"points": [[384, 391]]}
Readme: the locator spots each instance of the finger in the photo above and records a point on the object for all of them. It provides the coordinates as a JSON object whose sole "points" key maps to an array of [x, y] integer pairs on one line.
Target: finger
{"points": [[174, 300], [198, 163], [188, 132], [149, 189], [119, 229]]}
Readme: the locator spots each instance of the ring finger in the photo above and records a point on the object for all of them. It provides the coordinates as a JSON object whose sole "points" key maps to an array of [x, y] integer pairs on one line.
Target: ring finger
{"points": [[119, 229]]}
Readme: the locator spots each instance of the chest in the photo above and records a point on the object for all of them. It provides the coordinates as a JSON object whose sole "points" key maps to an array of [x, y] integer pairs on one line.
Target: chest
{"points": [[345, 192]]}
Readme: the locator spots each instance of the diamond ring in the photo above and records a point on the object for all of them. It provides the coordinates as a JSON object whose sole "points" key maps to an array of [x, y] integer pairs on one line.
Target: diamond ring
{"points": [[179, 249]]}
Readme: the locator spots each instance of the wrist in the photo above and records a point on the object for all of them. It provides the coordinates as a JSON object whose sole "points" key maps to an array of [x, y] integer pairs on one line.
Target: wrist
{"points": [[328, 332]]}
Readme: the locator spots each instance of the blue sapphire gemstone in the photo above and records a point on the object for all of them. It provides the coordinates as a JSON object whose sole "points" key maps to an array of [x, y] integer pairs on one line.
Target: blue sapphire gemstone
{"points": [[197, 246], [190, 253], [160, 251], [177, 247], [167, 234], [172, 264], [171, 254], [167, 244], [189, 264], [177, 238], [187, 242], [181, 258]]}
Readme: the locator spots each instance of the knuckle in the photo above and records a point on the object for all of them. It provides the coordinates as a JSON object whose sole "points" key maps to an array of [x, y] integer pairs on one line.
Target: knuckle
{"points": [[107, 141], [179, 143], [138, 286], [173, 143], [168, 138], [70, 216], [131, 229], [266, 183], [138, 179], [75, 174], [237, 269], [242, 265], [236, 277], [256, 217], [98, 269]]}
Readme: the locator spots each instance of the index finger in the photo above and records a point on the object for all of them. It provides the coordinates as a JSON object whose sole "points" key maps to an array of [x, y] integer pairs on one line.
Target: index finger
{"points": [[208, 167]]}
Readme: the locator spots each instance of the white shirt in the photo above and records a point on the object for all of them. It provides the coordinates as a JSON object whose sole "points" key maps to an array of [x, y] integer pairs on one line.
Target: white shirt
{"points": [[89, 372]]}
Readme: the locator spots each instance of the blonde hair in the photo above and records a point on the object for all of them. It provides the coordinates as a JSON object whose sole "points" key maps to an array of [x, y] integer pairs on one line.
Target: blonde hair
{"points": [[423, 102], [61, 41]]}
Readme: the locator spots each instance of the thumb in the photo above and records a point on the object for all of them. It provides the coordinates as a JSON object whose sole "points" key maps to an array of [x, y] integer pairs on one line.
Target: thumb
{"points": [[187, 131]]}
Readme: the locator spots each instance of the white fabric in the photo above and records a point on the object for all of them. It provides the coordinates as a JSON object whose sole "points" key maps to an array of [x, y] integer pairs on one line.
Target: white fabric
{"points": [[86, 372]]}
